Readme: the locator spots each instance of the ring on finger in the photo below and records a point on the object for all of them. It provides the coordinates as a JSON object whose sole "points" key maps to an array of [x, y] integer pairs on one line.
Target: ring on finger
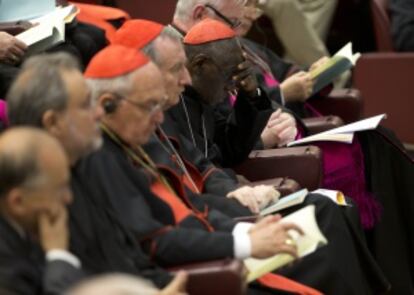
{"points": [[290, 242]]}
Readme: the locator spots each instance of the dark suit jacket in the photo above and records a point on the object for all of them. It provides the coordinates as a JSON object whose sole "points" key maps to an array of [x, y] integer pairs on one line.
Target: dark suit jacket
{"points": [[23, 269], [402, 18]]}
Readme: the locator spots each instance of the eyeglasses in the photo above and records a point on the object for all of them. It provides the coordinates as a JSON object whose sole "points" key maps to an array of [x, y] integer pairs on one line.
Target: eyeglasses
{"points": [[150, 108], [233, 23]]}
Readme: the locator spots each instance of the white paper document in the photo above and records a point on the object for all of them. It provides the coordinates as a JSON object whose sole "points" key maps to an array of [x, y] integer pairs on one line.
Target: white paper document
{"points": [[344, 134], [49, 30], [285, 202], [336, 196], [312, 239]]}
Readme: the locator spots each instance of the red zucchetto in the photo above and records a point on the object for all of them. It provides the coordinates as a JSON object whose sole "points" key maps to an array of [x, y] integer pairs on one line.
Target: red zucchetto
{"points": [[114, 61], [137, 33], [208, 30]]}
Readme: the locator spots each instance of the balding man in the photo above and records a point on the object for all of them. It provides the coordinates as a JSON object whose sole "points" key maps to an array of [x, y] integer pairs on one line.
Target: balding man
{"points": [[34, 238], [117, 284], [63, 107]]}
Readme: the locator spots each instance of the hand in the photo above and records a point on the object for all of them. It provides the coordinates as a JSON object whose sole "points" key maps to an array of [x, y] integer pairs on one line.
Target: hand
{"points": [[12, 50], [269, 236], [297, 87], [245, 195], [265, 194], [280, 130], [318, 63], [245, 78], [53, 229], [177, 286]]}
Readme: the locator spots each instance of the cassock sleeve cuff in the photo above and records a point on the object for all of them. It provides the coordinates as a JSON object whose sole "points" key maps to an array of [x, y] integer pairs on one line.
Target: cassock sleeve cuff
{"points": [[242, 243], [58, 254], [282, 97]]}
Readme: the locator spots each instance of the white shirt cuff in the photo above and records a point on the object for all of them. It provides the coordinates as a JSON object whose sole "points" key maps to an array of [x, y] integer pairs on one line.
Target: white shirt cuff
{"points": [[242, 243], [58, 254]]}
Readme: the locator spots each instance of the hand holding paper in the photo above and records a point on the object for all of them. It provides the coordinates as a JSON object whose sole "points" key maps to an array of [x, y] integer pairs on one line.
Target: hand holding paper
{"points": [[268, 237], [306, 243]]}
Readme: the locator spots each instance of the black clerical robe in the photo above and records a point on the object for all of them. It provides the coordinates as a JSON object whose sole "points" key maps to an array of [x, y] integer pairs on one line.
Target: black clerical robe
{"points": [[214, 179], [402, 24], [24, 270], [101, 242], [224, 140], [112, 176], [334, 269]]}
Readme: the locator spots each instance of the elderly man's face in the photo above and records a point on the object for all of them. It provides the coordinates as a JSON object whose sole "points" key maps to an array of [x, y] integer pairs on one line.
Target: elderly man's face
{"points": [[172, 63], [214, 79], [81, 131], [141, 111]]}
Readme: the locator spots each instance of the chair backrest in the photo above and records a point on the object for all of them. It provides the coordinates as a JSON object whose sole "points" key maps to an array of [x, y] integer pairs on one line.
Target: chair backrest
{"points": [[382, 25]]}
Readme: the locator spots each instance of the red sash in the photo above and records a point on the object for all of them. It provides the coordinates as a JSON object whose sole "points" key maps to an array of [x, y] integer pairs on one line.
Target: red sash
{"points": [[278, 282]]}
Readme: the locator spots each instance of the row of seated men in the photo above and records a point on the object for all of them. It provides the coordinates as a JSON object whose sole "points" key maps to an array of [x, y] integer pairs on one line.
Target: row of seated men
{"points": [[151, 192]]}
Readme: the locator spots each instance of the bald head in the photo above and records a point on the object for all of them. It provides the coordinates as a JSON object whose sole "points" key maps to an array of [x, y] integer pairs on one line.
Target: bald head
{"points": [[24, 154], [34, 177], [115, 285]]}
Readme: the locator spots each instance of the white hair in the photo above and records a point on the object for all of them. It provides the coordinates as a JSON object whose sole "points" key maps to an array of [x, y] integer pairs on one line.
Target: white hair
{"points": [[120, 86], [184, 8], [168, 33]]}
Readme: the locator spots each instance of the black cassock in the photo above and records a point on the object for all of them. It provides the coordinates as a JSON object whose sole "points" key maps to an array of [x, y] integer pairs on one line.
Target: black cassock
{"points": [[388, 171], [24, 270], [101, 241], [342, 267], [402, 20], [224, 140]]}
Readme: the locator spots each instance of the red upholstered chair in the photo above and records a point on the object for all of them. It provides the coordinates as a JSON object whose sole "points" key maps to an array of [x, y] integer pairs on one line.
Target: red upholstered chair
{"points": [[382, 24], [215, 277], [385, 78], [303, 164]]}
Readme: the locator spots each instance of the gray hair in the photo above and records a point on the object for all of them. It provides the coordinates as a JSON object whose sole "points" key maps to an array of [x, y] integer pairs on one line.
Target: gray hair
{"points": [[184, 8], [167, 32], [39, 87], [120, 86]]}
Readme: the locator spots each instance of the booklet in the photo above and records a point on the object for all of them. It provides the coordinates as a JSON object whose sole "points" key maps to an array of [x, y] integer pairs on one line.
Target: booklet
{"points": [[285, 202], [342, 61], [49, 30], [336, 196], [343, 134], [306, 244]]}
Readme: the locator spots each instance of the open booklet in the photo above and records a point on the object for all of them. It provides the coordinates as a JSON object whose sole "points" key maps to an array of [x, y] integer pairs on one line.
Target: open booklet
{"points": [[298, 198], [342, 61], [343, 134], [336, 196], [48, 30], [285, 202], [306, 244]]}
